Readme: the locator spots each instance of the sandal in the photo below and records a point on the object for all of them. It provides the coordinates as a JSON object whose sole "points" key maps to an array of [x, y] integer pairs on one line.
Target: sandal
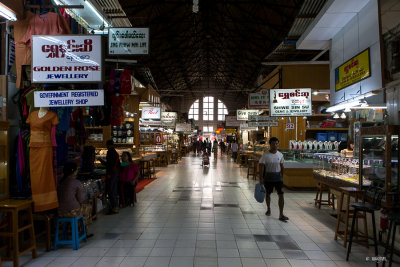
{"points": [[268, 213], [283, 218]]}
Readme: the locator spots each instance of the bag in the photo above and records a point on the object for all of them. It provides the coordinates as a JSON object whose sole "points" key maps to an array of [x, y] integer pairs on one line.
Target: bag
{"points": [[259, 193]]}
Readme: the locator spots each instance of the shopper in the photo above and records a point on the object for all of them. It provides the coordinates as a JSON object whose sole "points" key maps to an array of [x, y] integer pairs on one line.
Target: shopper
{"points": [[71, 196], [271, 175], [128, 179], [112, 171], [234, 148]]}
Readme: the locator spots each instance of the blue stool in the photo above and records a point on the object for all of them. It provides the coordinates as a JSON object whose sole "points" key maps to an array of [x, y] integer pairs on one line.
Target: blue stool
{"points": [[74, 241]]}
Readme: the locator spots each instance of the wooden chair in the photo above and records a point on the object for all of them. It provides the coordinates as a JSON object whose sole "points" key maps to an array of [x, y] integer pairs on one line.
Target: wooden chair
{"points": [[318, 197]]}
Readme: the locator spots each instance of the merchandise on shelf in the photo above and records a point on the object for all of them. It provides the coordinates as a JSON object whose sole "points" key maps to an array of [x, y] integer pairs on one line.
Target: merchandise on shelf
{"points": [[123, 134]]}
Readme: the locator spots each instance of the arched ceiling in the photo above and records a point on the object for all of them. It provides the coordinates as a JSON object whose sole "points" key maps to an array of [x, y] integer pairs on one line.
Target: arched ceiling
{"points": [[216, 51]]}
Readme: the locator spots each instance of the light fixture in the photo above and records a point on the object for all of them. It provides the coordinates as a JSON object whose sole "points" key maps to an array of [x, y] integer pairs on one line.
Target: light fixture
{"points": [[347, 109], [195, 7], [315, 92], [370, 107], [90, 5], [7, 13], [336, 116], [343, 116], [364, 103], [349, 103]]}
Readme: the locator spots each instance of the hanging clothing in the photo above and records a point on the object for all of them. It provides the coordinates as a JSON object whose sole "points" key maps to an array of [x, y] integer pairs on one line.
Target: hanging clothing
{"points": [[117, 112], [44, 194], [126, 82]]}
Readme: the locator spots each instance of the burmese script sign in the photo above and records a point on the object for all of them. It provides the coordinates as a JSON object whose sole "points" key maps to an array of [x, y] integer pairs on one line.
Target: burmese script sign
{"points": [[128, 41], [354, 70], [66, 58], [260, 99], [243, 114], [290, 102], [72, 98], [168, 118], [151, 113]]}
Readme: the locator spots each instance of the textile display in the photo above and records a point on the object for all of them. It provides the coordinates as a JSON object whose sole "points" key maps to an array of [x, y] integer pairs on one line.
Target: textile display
{"points": [[44, 194]]}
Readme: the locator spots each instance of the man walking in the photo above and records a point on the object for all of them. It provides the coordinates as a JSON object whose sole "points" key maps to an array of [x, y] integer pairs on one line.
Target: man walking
{"points": [[235, 149], [271, 175]]}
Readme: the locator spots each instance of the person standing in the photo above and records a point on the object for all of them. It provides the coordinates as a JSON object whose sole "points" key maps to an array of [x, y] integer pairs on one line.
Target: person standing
{"points": [[235, 148], [271, 175], [128, 179], [112, 170]]}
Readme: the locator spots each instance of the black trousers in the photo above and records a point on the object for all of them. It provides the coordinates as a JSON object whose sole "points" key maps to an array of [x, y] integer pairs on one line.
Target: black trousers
{"points": [[112, 189]]}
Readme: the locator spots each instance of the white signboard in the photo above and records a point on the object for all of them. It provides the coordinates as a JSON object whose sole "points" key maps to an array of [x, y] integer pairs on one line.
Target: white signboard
{"points": [[261, 118], [263, 123], [151, 113], [66, 58], [247, 127], [168, 118], [243, 114], [260, 99], [73, 98], [231, 121], [183, 127], [128, 41], [290, 102]]}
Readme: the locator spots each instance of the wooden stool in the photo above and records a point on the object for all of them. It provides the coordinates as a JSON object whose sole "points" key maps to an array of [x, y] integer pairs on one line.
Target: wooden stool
{"points": [[318, 197], [345, 194], [145, 170], [152, 168], [48, 220], [252, 168], [15, 228], [164, 159], [174, 157]]}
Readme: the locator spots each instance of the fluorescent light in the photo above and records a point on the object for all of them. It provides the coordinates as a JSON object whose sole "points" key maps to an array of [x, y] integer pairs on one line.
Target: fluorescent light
{"points": [[336, 116], [349, 103], [96, 12], [343, 116], [7, 13], [370, 107]]}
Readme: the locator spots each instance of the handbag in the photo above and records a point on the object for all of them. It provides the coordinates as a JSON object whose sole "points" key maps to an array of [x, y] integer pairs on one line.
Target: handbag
{"points": [[259, 193]]}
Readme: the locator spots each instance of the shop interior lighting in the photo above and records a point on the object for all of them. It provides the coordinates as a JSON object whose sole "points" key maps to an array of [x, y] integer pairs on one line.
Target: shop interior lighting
{"points": [[347, 109], [90, 5], [370, 107], [7, 13], [336, 116], [343, 116]]}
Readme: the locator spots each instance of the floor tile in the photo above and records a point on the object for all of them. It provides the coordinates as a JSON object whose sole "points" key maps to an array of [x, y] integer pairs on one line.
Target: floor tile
{"points": [[95, 252], [272, 254], [86, 261], [157, 262], [205, 261], [295, 254], [277, 262], [206, 252], [228, 252], [133, 262], [161, 252], [110, 262], [229, 262], [117, 252], [300, 263], [249, 253], [253, 262], [323, 263], [181, 262], [139, 252], [183, 252], [316, 255]]}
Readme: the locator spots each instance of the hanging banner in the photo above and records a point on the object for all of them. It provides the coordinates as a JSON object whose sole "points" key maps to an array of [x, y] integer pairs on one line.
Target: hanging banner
{"points": [[260, 99], [66, 58], [261, 118], [231, 121], [352, 71], [75, 98], [247, 127], [128, 41], [151, 113], [263, 123], [290, 102], [243, 114]]}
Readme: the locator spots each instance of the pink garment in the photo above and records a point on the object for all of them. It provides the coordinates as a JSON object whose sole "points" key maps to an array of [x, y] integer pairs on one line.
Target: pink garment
{"points": [[128, 173]]}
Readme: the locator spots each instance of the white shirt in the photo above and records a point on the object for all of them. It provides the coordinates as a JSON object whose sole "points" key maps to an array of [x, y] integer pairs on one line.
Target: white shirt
{"points": [[234, 147], [272, 162]]}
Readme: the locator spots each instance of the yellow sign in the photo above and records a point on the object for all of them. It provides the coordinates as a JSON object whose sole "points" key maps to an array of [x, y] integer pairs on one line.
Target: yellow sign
{"points": [[230, 131], [354, 70]]}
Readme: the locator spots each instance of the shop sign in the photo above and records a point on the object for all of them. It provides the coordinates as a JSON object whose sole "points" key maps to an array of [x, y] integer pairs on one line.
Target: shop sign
{"points": [[260, 99], [66, 58], [290, 126], [158, 138], [150, 123], [168, 118], [151, 113], [183, 127], [352, 71], [231, 121], [261, 118], [72, 98], [128, 41], [263, 123], [230, 131], [290, 102], [243, 114], [247, 127]]}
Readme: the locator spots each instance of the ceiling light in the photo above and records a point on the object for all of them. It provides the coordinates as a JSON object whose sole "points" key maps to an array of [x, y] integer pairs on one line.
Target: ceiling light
{"points": [[350, 102], [370, 107], [343, 116], [315, 92], [336, 116], [7, 13], [347, 109], [90, 5]]}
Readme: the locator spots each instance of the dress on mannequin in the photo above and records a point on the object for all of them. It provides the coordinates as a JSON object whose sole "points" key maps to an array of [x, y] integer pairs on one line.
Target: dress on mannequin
{"points": [[44, 194]]}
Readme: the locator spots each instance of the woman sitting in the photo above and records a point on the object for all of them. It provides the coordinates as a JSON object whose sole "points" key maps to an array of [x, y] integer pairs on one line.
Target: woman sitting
{"points": [[128, 179], [71, 196]]}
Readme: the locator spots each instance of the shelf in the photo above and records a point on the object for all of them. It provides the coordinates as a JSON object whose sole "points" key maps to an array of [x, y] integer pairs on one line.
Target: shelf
{"points": [[124, 144], [93, 127], [327, 129], [320, 115]]}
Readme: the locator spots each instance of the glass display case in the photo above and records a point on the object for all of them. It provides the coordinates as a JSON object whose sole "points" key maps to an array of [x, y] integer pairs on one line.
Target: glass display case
{"points": [[336, 170], [379, 154], [4, 159]]}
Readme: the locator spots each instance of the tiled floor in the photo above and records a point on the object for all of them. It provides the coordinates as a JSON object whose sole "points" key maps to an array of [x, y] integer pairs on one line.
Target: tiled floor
{"points": [[194, 216]]}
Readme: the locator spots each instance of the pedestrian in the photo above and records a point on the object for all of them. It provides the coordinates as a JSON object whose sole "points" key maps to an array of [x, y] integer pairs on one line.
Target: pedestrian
{"points": [[112, 172], [271, 175], [128, 179], [234, 148]]}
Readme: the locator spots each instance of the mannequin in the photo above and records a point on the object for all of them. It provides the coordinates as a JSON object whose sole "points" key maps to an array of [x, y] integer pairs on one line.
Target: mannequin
{"points": [[44, 195]]}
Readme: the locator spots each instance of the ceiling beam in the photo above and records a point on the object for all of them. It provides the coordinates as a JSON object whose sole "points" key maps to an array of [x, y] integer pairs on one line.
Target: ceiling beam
{"points": [[283, 63]]}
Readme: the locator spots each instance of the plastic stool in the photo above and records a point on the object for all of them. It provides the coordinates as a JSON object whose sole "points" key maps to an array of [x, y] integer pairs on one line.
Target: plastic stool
{"points": [[74, 230]]}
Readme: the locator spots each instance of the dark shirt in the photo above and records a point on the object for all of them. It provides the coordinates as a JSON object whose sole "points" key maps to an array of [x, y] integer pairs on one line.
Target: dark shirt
{"points": [[70, 195], [112, 159]]}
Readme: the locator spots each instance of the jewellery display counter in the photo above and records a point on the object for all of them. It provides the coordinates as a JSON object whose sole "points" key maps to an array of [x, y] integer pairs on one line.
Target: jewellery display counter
{"points": [[336, 170], [379, 155]]}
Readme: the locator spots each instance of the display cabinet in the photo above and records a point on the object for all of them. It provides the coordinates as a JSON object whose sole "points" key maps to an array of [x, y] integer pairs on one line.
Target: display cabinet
{"points": [[379, 154], [4, 159], [98, 135], [336, 170]]}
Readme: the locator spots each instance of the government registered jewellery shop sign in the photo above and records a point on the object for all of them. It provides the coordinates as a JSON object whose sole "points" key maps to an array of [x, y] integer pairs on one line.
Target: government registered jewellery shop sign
{"points": [[66, 58], [290, 102], [71, 98], [128, 41]]}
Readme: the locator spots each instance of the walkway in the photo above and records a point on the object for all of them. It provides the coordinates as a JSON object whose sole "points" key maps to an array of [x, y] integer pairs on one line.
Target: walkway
{"points": [[194, 216]]}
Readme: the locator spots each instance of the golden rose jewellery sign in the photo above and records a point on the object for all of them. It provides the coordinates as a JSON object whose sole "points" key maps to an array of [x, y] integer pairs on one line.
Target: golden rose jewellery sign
{"points": [[354, 70], [66, 58], [128, 41], [290, 102]]}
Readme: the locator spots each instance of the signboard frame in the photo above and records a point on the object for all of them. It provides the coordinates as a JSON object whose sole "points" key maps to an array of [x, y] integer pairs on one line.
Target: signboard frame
{"points": [[146, 117], [286, 95], [125, 52], [68, 98], [242, 117], [261, 93]]}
